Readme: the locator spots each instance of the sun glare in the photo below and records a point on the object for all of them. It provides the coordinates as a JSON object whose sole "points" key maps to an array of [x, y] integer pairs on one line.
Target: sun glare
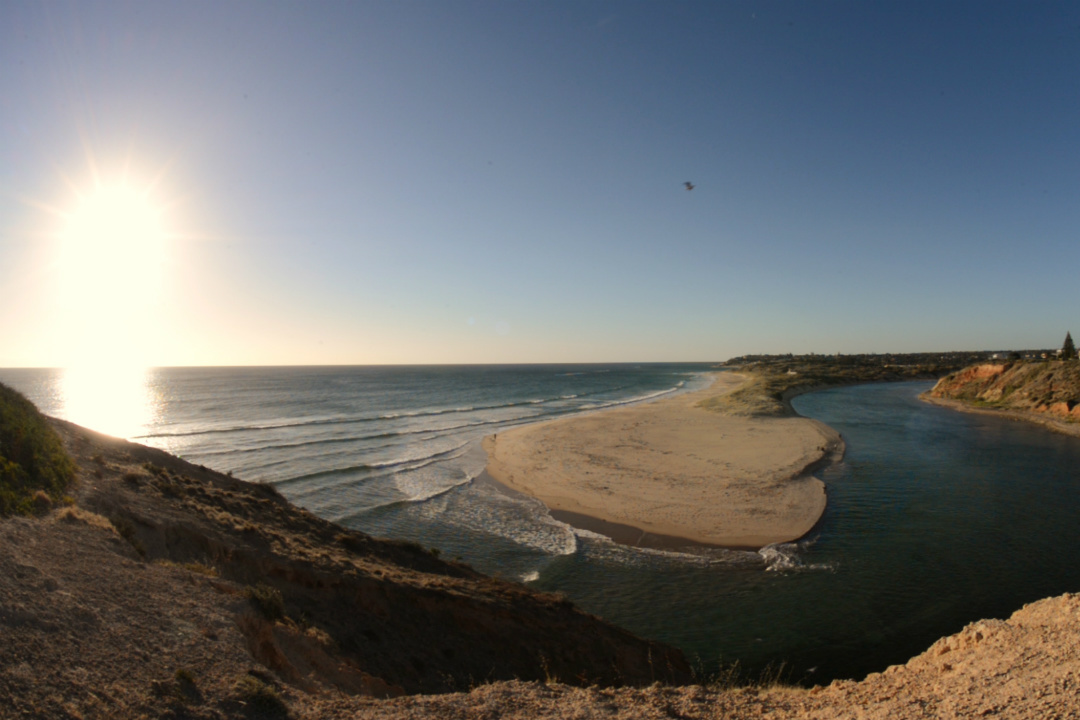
{"points": [[113, 399], [111, 253]]}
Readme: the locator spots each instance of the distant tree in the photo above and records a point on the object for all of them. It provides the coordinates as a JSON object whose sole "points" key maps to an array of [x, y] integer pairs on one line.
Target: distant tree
{"points": [[1068, 350]]}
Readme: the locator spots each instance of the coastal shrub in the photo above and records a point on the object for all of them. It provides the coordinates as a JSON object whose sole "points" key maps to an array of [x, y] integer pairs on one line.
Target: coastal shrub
{"points": [[73, 514], [351, 542], [126, 530], [194, 567], [260, 696], [154, 469], [187, 690], [201, 569], [32, 457], [267, 600], [171, 487], [733, 675]]}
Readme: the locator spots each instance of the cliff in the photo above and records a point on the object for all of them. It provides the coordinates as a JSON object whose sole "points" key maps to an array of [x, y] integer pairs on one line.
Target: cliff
{"points": [[1025, 668], [170, 588], [1047, 392]]}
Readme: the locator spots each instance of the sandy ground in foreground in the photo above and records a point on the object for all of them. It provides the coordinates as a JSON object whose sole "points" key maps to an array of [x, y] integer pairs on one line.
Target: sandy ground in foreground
{"points": [[671, 468]]}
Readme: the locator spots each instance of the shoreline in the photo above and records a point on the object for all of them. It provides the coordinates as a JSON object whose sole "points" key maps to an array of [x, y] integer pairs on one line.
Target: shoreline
{"points": [[668, 473], [1049, 423]]}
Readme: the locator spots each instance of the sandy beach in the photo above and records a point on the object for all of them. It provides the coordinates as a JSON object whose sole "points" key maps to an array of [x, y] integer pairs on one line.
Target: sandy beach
{"points": [[670, 469]]}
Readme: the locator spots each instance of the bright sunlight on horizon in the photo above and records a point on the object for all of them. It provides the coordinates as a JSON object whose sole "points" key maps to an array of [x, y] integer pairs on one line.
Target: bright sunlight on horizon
{"points": [[111, 253]]}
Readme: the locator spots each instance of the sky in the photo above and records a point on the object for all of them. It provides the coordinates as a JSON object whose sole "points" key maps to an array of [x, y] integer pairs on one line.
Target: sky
{"points": [[497, 182]]}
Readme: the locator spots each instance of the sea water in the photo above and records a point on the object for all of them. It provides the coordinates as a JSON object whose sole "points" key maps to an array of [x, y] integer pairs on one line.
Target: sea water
{"points": [[935, 518]]}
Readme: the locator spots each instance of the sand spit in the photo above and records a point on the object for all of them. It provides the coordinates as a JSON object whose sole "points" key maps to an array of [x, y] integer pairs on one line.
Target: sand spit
{"points": [[672, 468]]}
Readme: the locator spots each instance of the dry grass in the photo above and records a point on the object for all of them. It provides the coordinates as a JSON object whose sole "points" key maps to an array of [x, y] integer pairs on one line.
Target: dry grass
{"points": [[260, 696], [79, 515], [267, 600], [758, 397]]}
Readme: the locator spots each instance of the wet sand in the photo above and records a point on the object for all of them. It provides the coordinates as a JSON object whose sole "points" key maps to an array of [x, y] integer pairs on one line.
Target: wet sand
{"points": [[669, 471]]}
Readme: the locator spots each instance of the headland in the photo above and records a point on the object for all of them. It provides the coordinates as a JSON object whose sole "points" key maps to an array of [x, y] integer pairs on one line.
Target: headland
{"points": [[1044, 392]]}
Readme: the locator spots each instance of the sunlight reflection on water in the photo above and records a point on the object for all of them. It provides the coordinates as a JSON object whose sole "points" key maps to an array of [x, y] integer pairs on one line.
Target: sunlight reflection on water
{"points": [[115, 400]]}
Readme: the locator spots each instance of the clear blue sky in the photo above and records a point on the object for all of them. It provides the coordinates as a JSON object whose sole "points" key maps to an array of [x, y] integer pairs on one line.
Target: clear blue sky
{"points": [[415, 182]]}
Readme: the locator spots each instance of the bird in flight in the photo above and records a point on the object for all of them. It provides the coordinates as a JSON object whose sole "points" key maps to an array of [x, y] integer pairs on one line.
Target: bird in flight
{"points": [[689, 185]]}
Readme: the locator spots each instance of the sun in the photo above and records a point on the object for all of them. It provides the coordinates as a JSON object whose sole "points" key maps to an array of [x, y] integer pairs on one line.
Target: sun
{"points": [[111, 254], [115, 229]]}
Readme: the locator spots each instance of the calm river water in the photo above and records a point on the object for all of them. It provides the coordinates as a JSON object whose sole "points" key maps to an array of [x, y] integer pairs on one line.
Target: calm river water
{"points": [[936, 518]]}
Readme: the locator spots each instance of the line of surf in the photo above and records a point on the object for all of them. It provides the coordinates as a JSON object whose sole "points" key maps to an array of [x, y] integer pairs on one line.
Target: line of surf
{"points": [[406, 414]]}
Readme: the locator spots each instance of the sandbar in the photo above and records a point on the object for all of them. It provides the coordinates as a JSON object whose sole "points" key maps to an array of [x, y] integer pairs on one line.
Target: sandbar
{"points": [[672, 469]]}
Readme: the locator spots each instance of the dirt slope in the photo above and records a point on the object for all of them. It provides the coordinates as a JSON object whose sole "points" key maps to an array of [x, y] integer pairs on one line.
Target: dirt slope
{"points": [[1025, 668], [169, 584]]}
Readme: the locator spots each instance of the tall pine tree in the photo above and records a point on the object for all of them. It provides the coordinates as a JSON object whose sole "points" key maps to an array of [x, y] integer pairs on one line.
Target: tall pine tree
{"points": [[1068, 350]]}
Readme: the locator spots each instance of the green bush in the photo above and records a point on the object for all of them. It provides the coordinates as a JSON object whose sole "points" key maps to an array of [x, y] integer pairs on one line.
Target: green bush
{"points": [[32, 457]]}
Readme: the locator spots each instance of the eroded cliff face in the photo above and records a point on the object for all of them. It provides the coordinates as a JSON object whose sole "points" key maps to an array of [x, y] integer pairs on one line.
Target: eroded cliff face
{"points": [[1050, 388]]}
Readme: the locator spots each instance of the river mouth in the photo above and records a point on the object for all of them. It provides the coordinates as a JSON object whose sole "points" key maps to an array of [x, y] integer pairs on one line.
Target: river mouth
{"points": [[935, 519]]}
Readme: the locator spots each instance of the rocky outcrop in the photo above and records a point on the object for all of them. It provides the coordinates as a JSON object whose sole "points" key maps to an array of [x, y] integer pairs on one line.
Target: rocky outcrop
{"points": [[1047, 391]]}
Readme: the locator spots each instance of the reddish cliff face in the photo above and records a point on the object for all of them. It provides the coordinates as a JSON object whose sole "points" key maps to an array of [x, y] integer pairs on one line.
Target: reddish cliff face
{"points": [[1050, 389]]}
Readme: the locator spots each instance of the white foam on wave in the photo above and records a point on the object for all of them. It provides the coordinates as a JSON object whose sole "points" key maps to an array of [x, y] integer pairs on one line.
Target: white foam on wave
{"points": [[520, 519], [424, 412], [425, 459], [482, 509], [788, 557], [325, 480], [633, 400], [418, 491], [601, 548]]}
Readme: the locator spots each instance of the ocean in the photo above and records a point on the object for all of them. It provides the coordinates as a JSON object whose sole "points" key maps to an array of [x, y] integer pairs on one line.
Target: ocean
{"points": [[393, 451], [935, 518]]}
